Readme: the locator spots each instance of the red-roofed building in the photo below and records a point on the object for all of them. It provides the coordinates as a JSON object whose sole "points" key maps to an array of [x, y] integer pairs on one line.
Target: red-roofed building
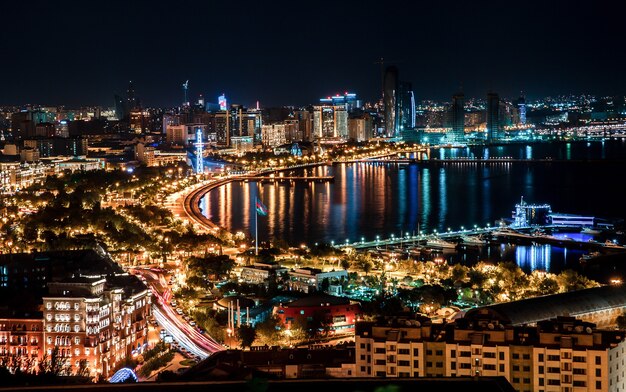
{"points": [[340, 313]]}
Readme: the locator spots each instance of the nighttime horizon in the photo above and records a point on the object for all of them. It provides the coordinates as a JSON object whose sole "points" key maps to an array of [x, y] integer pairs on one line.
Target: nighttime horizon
{"points": [[356, 196], [73, 55]]}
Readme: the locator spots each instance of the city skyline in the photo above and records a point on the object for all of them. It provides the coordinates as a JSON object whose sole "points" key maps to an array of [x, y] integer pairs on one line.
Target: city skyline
{"points": [[255, 55]]}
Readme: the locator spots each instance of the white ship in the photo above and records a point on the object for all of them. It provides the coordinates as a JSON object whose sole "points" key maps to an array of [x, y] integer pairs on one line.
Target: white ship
{"points": [[435, 242], [473, 240], [613, 245]]}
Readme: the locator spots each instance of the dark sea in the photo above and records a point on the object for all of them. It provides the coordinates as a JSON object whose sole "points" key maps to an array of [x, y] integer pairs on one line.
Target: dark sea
{"points": [[367, 200]]}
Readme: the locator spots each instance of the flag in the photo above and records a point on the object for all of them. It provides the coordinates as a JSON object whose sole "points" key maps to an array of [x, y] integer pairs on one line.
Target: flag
{"points": [[260, 207]]}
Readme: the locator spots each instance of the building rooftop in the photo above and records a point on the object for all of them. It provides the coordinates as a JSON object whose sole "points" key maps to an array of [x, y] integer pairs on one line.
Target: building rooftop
{"points": [[573, 303], [318, 299]]}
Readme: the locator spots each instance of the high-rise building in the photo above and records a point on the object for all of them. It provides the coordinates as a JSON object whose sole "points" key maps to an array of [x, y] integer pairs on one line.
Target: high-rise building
{"points": [[123, 106], [399, 104], [305, 124], [521, 108], [360, 128], [221, 100], [275, 134], [347, 99], [389, 100], [493, 117], [457, 134], [330, 122]]}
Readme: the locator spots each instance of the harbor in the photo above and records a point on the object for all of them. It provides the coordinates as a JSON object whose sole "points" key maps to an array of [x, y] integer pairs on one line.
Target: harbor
{"points": [[532, 234]]}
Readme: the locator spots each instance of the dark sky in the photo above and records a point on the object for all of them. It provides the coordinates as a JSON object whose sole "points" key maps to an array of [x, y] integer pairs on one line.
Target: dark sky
{"points": [[294, 52]]}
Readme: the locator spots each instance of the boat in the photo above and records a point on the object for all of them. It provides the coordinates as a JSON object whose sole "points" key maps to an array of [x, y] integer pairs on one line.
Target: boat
{"points": [[613, 245], [588, 256], [506, 232], [590, 230], [439, 243], [472, 240]]}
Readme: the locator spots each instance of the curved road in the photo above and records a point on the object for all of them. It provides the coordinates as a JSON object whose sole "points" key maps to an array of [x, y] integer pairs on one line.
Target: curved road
{"points": [[190, 338]]}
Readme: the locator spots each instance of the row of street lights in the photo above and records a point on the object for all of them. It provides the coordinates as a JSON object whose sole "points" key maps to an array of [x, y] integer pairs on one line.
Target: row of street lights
{"points": [[421, 235]]}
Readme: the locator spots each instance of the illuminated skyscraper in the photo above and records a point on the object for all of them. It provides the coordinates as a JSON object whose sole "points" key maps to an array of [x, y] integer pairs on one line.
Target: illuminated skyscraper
{"points": [[221, 100], [458, 118], [330, 122], [406, 107], [347, 99], [199, 152], [521, 108], [399, 104], [389, 99], [493, 117]]}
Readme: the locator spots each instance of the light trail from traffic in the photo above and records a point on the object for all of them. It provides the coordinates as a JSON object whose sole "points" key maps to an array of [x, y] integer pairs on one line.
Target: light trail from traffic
{"points": [[190, 338]]}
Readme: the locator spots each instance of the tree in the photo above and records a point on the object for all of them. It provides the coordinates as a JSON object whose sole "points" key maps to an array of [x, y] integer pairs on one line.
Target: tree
{"points": [[318, 324], [621, 321], [211, 265], [458, 274], [246, 335], [268, 331], [476, 278], [55, 364], [569, 280], [345, 263]]}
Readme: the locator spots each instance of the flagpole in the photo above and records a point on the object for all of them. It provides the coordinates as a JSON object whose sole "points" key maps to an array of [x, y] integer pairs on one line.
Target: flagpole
{"points": [[256, 231], [256, 224]]}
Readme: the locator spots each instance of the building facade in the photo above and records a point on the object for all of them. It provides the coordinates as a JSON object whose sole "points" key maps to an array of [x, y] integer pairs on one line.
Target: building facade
{"points": [[330, 122], [493, 117], [561, 354]]}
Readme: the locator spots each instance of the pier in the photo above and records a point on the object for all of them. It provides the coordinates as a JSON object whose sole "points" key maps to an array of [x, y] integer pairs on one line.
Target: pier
{"points": [[487, 160], [492, 235], [286, 178]]}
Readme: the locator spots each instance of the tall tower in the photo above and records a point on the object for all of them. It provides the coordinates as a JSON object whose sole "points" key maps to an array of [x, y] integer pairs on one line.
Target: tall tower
{"points": [[458, 118], [199, 152], [390, 100], [521, 108], [493, 117], [131, 99], [185, 88], [405, 107]]}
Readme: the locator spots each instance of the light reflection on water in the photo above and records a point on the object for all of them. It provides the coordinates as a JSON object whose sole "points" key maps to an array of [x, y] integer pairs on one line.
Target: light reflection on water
{"points": [[379, 199]]}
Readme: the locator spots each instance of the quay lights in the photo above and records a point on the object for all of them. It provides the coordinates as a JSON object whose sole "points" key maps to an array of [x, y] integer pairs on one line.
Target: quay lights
{"points": [[377, 238]]}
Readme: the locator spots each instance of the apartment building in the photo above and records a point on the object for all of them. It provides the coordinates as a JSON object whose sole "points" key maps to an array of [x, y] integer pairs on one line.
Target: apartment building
{"points": [[561, 354]]}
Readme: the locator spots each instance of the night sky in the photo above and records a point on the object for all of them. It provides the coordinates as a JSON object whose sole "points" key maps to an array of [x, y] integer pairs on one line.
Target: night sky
{"points": [[294, 52]]}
